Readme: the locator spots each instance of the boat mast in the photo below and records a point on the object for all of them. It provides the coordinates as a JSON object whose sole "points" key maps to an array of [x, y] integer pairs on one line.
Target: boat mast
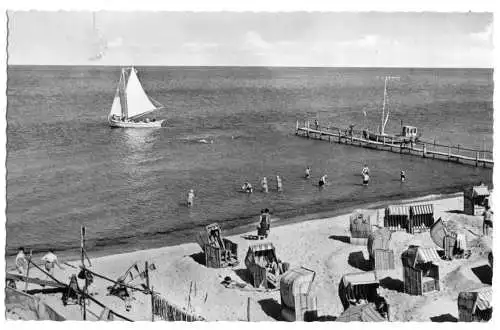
{"points": [[384, 117], [123, 96]]}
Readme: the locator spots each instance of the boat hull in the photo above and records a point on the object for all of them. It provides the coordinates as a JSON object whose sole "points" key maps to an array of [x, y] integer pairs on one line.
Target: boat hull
{"points": [[132, 124]]}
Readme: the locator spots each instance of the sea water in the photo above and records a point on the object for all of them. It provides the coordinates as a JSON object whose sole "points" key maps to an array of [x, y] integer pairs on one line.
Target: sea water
{"points": [[66, 167]]}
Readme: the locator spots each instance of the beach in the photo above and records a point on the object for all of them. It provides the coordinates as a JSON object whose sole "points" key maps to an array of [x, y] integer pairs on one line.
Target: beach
{"points": [[319, 245]]}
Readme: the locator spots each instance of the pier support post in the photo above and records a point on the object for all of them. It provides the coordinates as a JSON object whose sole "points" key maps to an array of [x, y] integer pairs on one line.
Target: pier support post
{"points": [[297, 128], [424, 150], [449, 153], [477, 158]]}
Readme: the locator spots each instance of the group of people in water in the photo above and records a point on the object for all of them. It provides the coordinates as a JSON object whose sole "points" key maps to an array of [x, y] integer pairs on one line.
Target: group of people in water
{"points": [[248, 188]]}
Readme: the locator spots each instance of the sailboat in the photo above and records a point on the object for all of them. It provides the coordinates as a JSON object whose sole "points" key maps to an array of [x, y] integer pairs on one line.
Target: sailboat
{"points": [[131, 103], [408, 133]]}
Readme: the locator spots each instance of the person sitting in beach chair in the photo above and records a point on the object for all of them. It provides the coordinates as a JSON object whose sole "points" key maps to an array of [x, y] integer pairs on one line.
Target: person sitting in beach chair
{"points": [[273, 272]]}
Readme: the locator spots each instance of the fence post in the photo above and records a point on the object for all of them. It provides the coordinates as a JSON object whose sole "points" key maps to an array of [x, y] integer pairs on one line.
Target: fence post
{"points": [[477, 158], [449, 152]]}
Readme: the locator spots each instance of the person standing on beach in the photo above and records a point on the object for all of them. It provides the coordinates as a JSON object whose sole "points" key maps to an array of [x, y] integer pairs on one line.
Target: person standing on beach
{"points": [[308, 173], [50, 260], [21, 262], [279, 183], [487, 220], [190, 198], [263, 184], [316, 123]]}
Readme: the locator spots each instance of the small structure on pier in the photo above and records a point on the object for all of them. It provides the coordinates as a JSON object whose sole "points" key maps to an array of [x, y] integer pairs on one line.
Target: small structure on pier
{"points": [[219, 252], [264, 266], [359, 288], [381, 257], [476, 305], [397, 217], [420, 271], [475, 199], [421, 218], [297, 301]]}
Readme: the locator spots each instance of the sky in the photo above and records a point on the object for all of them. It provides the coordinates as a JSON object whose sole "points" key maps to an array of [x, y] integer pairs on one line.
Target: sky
{"points": [[359, 39]]}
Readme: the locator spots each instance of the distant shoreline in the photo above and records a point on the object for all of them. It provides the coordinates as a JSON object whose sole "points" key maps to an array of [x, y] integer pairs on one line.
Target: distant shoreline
{"points": [[239, 66]]}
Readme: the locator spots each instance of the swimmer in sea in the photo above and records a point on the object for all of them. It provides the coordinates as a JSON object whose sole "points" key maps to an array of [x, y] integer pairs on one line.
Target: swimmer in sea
{"points": [[247, 187], [322, 181], [263, 184], [190, 198], [279, 183], [365, 171], [308, 173], [366, 178], [403, 176]]}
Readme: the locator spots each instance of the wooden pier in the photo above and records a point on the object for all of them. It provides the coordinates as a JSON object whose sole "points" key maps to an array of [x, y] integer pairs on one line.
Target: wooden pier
{"points": [[423, 149]]}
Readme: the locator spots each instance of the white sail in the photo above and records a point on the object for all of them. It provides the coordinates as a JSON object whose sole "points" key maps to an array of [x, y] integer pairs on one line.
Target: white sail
{"points": [[138, 102], [116, 108]]}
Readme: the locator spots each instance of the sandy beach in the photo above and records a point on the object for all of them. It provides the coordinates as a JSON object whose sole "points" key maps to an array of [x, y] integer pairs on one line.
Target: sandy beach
{"points": [[321, 245]]}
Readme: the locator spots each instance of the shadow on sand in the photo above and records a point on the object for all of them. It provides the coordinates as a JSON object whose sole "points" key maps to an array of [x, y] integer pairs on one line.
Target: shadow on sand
{"points": [[444, 318], [271, 307], [392, 284], [357, 260], [344, 239], [244, 275], [199, 258], [484, 273]]}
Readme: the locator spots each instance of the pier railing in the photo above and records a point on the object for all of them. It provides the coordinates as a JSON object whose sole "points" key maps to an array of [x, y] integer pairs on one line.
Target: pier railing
{"points": [[426, 149]]}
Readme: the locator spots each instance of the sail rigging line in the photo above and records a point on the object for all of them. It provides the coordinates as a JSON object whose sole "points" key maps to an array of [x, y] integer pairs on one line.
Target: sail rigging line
{"points": [[385, 118]]}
